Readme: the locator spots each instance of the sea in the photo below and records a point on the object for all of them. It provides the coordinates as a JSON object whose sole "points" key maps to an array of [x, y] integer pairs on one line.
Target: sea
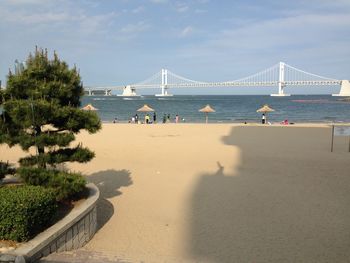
{"points": [[228, 108]]}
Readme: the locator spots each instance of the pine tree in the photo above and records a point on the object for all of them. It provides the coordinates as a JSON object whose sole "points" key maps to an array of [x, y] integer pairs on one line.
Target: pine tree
{"points": [[40, 108]]}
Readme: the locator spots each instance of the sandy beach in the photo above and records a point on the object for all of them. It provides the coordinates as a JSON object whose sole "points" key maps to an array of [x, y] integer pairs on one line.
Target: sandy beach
{"points": [[218, 193]]}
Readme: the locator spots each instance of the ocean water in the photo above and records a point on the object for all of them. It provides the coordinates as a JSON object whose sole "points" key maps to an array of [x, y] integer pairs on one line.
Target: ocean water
{"points": [[229, 108]]}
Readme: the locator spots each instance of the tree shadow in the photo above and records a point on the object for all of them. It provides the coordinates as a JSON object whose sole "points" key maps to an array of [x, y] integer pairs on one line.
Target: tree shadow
{"points": [[260, 213], [109, 183]]}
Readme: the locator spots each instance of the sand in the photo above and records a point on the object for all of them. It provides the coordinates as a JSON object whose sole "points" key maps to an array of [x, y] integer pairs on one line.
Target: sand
{"points": [[218, 193]]}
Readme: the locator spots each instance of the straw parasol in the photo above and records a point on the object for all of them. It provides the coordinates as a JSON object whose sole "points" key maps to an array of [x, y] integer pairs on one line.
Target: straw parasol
{"points": [[265, 109], [206, 109], [145, 108], [89, 107]]}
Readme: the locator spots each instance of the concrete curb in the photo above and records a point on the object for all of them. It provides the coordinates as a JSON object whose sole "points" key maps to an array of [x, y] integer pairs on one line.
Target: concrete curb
{"points": [[71, 232]]}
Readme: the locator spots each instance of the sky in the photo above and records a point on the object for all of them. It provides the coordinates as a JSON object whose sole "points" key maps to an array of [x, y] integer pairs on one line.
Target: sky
{"points": [[120, 42]]}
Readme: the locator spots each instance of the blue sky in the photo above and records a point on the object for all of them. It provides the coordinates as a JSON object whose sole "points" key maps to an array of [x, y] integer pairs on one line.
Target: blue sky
{"points": [[119, 42]]}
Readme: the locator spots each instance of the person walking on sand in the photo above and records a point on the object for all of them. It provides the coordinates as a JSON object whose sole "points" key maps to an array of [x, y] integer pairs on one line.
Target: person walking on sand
{"points": [[177, 118], [136, 118], [147, 119], [263, 118]]}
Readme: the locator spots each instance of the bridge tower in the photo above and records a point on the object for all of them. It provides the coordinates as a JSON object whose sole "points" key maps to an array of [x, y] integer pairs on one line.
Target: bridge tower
{"points": [[281, 83], [164, 84], [344, 89]]}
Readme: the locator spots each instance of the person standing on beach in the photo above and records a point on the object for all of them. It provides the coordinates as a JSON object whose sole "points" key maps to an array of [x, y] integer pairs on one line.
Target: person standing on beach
{"points": [[154, 117], [177, 118], [147, 119], [136, 118], [164, 118], [168, 118], [263, 118]]}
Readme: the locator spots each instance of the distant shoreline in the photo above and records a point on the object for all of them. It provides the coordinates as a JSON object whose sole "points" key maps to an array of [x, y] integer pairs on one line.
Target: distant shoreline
{"points": [[229, 108], [235, 124]]}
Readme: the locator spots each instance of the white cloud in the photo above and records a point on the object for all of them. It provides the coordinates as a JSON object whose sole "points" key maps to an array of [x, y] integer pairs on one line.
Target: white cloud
{"points": [[182, 7], [297, 30], [63, 16], [186, 31], [314, 31], [135, 28], [38, 18], [200, 11], [138, 10], [158, 1], [95, 24], [24, 2], [307, 41]]}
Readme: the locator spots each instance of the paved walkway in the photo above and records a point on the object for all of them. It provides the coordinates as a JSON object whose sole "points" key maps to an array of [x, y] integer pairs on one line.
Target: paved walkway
{"points": [[83, 256]]}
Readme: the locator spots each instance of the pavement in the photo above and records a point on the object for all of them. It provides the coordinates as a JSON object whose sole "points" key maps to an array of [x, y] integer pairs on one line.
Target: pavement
{"points": [[81, 256]]}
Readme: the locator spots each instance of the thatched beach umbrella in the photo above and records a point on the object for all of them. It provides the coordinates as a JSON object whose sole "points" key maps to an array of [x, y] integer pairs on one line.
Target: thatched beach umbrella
{"points": [[89, 107], [206, 109], [145, 108], [265, 109]]}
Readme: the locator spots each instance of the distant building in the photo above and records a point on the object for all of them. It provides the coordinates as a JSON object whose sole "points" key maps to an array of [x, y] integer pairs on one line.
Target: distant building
{"points": [[19, 67]]}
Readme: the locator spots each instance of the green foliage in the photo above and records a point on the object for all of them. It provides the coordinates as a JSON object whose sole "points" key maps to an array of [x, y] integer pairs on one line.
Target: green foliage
{"points": [[77, 154], [6, 168], [41, 109], [65, 185], [47, 79], [24, 211]]}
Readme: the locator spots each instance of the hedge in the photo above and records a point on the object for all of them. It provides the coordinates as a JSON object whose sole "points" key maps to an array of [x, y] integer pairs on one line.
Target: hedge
{"points": [[25, 211], [65, 185]]}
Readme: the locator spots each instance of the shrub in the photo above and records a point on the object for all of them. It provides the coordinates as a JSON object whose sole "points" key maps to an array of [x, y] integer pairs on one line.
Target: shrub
{"points": [[41, 109], [25, 211], [66, 185], [6, 168]]}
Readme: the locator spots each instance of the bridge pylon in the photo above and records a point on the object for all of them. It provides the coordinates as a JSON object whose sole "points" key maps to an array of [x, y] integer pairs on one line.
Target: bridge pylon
{"points": [[344, 89], [164, 85], [281, 83]]}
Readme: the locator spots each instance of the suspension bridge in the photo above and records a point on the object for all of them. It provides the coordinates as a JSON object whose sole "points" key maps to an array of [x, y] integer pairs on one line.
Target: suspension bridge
{"points": [[280, 75]]}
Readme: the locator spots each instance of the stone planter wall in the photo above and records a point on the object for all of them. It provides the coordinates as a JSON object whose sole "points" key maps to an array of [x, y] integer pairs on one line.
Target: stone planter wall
{"points": [[72, 232]]}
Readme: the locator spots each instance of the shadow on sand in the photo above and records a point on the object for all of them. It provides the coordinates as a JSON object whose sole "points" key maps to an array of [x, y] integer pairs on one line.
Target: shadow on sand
{"points": [[260, 213], [108, 182]]}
